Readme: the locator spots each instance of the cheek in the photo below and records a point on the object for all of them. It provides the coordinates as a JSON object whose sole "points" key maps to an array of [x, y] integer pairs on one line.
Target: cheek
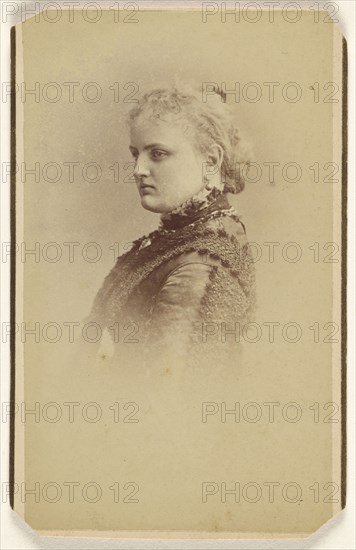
{"points": [[179, 175], [182, 167], [178, 178]]}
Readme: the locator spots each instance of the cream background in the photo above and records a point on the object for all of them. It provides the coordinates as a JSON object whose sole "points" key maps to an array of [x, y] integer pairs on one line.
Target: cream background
{"points": [[301, 212]]}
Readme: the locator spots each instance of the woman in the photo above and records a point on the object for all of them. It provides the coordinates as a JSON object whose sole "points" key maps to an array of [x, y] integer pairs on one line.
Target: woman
{"points": [[192, 278]]}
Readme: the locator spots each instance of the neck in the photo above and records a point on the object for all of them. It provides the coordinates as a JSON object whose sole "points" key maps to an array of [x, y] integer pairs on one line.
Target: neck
{"points": [[199, 206]]}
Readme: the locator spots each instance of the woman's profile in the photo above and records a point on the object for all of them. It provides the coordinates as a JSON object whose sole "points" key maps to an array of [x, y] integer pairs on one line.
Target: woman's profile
{"points": [[192, 275]]}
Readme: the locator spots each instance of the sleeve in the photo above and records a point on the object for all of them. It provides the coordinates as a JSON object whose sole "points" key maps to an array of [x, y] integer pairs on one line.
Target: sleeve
{"points": [[176, 313]]}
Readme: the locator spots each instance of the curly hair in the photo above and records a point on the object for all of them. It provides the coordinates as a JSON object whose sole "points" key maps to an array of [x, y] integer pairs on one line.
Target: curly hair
{"points": [[211, 121]]}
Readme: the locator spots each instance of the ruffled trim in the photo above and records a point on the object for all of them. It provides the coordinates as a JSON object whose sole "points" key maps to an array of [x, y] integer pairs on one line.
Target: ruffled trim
{"points": [[136, 265], [195, 208]]}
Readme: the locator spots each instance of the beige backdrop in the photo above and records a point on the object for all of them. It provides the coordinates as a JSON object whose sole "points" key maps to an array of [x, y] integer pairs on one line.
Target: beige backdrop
{"points": [[170, 452]]}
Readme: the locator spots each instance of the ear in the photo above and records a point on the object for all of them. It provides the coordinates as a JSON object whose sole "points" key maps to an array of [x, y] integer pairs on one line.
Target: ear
{"points": [[215, 155]]}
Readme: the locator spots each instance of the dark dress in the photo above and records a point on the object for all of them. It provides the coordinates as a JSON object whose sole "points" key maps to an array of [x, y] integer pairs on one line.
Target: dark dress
{"points": [[184, 286]]}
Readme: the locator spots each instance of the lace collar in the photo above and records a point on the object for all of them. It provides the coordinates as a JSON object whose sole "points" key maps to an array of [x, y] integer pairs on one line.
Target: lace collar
{"points": [[199, 206]]}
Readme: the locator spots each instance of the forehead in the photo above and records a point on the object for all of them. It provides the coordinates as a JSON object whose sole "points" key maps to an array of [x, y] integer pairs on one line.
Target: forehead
{"points": [[170, 130]]}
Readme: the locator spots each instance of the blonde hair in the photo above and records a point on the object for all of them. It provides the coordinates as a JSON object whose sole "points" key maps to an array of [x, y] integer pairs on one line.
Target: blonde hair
{"points": [[211, 121]]}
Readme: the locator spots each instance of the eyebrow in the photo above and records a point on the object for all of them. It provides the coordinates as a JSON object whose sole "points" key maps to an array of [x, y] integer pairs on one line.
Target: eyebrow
{"points": [[149, 146]]}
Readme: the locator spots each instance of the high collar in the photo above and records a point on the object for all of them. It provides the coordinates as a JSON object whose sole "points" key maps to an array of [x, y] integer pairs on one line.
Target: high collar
{"points": [[197, 207]]}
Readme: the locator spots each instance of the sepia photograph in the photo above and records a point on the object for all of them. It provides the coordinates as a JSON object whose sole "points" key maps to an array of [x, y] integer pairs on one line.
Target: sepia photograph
{"points": [[178, 252], [195, 270]]}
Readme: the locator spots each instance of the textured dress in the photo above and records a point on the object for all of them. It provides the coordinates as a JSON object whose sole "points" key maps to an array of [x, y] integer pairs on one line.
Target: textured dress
{"points": [[183, 287]]}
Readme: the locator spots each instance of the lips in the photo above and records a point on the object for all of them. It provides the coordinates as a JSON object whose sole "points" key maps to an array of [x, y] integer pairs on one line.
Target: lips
{"points": [[146, 187]]}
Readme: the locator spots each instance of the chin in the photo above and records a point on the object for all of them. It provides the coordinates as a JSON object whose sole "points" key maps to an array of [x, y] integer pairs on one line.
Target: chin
{"points": [[150, 204]]}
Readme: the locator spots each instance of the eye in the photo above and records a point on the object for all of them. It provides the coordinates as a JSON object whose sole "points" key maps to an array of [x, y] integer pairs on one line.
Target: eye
{"points": [[158, 154], [134, 154]]}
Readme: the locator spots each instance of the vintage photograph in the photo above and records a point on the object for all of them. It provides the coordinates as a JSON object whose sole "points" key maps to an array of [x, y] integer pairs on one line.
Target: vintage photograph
{"points": [[178, 259], [195, 270]]}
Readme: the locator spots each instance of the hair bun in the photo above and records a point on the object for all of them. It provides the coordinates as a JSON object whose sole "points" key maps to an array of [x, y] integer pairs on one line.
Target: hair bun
{"points": [[220, 92]]}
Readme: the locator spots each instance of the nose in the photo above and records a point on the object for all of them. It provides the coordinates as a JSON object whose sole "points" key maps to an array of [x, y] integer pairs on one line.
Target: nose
{"points": [[141, 167]]}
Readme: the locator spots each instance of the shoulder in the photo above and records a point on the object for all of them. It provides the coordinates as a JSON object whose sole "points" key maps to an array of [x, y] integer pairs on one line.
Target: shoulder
{"points": [[231, 227], [218, 237]]}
